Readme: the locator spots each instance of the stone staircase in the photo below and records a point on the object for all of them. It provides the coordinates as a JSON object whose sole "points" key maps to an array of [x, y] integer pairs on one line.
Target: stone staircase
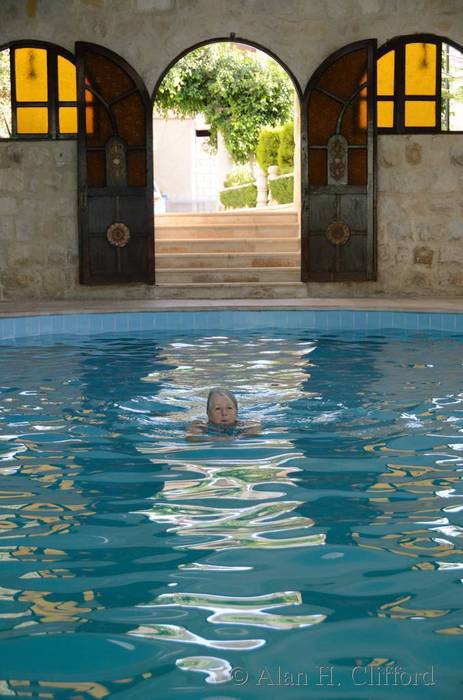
{"points": [[240, 254]]}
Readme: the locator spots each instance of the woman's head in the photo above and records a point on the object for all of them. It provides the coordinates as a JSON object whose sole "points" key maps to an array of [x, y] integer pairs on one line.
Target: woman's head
{"points": [[222, 407]]}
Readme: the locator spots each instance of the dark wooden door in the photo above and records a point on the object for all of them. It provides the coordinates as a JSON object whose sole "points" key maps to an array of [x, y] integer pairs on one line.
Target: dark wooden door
{"points": [[116, 214], [339, 167]]}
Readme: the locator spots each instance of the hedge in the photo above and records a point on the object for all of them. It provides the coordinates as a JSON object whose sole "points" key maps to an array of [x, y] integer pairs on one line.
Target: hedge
{"points": [[240, 175], [286, 148], [282, 189], [267, 148], [239, 197]]}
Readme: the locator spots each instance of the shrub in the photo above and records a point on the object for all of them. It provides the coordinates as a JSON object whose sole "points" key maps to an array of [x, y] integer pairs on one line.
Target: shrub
{"points": [[267, 148], [239, 197], [286, 148], [238, 176], [282, 189]]}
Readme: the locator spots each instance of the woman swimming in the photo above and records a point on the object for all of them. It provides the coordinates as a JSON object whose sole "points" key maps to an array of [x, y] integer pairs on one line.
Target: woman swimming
{"points": [[222, 413]]}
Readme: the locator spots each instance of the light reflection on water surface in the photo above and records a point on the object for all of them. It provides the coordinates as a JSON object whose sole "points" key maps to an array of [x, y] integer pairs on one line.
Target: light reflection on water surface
{"points": [[138, 563]]}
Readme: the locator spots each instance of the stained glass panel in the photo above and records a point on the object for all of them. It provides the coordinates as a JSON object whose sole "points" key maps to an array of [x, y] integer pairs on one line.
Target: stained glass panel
{"points": [[67, 85], [89, 113], [130, 119], [136, 169], [68, 120], [420, 69], [385, 114], [385, 74], [106, 78], [420, 113], [31, 79], [358, 166], [317, 167], [32, 120], [322, 118], [344, 75]]}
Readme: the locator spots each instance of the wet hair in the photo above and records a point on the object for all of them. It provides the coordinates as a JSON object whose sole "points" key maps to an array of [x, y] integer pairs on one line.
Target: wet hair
{"points": [[218, 391]]}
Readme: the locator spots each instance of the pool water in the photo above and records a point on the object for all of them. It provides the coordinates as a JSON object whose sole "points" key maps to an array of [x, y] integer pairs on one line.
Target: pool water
{"points": [[321, 558]]}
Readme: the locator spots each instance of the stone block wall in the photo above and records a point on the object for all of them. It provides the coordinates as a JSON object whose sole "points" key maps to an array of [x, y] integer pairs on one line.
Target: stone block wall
{"points": [[420, 214], [38, 219], [420, 178]]}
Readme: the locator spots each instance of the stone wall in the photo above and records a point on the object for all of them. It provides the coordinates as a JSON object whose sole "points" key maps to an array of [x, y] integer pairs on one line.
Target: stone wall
{"points": [[420, 178]]}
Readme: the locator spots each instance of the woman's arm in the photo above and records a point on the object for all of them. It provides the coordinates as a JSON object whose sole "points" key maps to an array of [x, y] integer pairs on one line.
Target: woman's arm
{"points": [[250, 427], [196, 427]]}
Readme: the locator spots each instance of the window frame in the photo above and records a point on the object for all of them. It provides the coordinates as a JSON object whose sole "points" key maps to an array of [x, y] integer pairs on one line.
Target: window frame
{"points": [[53, 102], [398, 44]]}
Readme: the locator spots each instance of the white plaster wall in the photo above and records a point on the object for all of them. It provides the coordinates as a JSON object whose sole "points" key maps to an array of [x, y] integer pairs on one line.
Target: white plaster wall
{"points": [[420, 195], [174, 146]]}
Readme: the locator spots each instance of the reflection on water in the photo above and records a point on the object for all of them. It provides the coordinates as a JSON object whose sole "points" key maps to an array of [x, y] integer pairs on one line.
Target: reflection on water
{"points": [[336, 534]]}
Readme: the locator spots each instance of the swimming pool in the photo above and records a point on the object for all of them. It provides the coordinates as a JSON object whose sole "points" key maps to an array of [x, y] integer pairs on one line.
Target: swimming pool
{"points": [[321, 558]]}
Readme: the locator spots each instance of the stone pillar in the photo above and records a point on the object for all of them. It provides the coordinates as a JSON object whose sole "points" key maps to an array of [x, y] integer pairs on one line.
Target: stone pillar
{"points": [[273, 172], [261, 182]]}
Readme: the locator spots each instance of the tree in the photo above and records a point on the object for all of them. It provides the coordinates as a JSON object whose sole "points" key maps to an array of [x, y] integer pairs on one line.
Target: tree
{"points": [[238, 91]]}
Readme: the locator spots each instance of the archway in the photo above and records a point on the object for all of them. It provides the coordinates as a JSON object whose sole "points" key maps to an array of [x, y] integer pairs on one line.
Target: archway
{"points": [[221, 217]]}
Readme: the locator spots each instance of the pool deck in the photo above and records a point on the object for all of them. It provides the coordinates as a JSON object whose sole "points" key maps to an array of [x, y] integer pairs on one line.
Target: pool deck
{"points": [[76, 306]]}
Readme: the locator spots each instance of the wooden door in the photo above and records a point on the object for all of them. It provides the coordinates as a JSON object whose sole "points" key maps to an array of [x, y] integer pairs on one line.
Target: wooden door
{"points": [[339, 168], [116, 208]]}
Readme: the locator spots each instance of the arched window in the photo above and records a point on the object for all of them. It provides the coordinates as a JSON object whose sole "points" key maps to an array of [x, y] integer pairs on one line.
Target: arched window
{"points": [[420, 85], [38, 92]]}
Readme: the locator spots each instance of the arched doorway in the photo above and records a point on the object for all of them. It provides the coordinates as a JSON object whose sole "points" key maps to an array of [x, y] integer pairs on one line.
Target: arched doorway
{"points": [[224, 223]]}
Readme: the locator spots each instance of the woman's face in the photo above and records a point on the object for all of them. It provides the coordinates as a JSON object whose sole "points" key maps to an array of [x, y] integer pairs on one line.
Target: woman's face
{"points": [[222, 410]]}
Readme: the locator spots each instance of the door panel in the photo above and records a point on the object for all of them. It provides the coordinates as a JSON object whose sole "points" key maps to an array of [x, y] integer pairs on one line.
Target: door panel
{"points": [[339, 180], [116, 208]]}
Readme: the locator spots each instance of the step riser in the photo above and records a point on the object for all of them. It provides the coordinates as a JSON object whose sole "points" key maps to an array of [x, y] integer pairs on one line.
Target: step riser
{"points": [[261, 275], [226, 260], [248, 231], [267, 245], [252, 292], [288, 218]]}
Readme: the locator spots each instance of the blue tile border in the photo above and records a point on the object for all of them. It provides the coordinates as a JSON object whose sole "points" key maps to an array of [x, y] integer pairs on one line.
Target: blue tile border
{"points": [[317, 320]]}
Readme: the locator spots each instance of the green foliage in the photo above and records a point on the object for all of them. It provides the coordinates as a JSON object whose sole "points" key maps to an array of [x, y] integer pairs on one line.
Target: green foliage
{"points": [[238, 91], [5, 94], [451, 87], [239, 197], [267, 148], [282, 189], [240, 175], [286, 148]]}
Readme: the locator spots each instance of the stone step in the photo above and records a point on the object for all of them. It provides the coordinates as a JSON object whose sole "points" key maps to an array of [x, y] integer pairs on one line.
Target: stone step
{"points": [[273, 275], [255, 216], [233, 290], [247, 230], [224, 245], [219, 261]]}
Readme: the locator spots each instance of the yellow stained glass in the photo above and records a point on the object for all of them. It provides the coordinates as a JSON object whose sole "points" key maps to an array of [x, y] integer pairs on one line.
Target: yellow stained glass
{"points": [[420, 69], [68, 120], [420, 113], [385, 74], [385, 114], [67, 86], [32, 120], [363, 113], [89, 113], [31, 75]]}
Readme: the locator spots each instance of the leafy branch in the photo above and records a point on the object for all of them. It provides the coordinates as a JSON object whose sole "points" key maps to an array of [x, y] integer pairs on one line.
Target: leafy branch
{"points": [[238, 91]]}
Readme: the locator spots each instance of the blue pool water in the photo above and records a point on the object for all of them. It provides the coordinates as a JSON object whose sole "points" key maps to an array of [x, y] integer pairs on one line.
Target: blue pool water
{"points": [[320, 559]]}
